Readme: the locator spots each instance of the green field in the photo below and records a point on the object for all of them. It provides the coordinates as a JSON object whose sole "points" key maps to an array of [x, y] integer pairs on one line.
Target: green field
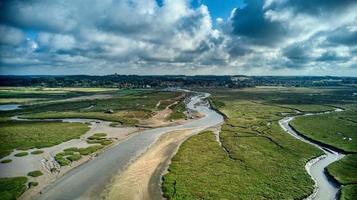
{"points": [[349, 192], [332, 129], [26, 95], [258, 160], [26, 135], [11, 188], [122, 118]]}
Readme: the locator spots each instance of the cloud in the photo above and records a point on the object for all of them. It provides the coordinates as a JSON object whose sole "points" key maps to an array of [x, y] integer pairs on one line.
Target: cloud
{"points": [[126, 36], [250, 22], [11, 36]]}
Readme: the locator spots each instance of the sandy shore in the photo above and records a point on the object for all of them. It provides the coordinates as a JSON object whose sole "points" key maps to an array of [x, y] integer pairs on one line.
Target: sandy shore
{"points": [[142, 178]]}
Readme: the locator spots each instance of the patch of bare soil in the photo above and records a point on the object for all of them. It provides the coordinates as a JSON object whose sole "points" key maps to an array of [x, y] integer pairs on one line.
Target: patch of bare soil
{"points": [[142, 178]]}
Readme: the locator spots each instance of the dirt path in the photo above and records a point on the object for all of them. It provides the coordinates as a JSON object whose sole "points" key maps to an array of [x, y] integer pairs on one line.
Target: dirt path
{"points": [[160, 117], [140, 180]]}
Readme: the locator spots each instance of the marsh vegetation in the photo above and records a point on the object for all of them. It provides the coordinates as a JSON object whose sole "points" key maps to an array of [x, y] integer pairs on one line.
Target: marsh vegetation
{"points": [[257, 160]]}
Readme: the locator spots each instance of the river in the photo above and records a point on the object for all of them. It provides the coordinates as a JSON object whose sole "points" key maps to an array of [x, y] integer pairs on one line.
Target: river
{"points": [[325, 188], [90, 179], [6, 107]]}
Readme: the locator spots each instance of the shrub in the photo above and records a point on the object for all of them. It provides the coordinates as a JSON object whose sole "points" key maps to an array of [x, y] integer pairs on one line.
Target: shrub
{"points": [[97, 136], [106, 142], [84, 151], [37, 152], [71, 149], [35, 173], [74, 157], [22, 154], [6, 161], [33, 184], [61, 154], [63, 162], [90, 149], [69, 153], [94, 141]]}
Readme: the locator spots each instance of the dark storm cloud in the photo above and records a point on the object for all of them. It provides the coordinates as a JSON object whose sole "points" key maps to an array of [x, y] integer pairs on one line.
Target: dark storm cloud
{"points": [[298, 55], [343, 36], [249, 22], [331, 56], [297, 52], [41, 15], [313, 7]]}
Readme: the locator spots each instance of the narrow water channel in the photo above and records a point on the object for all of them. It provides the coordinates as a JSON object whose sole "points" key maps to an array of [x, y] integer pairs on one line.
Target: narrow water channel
{"points": [[325, 187]]}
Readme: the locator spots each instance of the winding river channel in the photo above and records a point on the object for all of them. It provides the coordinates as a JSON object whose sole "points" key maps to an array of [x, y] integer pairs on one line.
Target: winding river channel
{"points": [[325, 187], [90, 179]]}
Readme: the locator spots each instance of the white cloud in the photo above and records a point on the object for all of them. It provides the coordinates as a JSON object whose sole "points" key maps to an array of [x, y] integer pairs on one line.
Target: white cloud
{"points": [[127, 35]]}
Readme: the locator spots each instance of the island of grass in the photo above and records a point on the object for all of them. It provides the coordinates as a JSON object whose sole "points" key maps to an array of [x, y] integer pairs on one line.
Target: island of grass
{"points": [[16, 134], [338, 129], [32, 184], [73, 154], [6, 161], [21, 154], [37, 152], [35, 173], [99, 138], [12, 188]]}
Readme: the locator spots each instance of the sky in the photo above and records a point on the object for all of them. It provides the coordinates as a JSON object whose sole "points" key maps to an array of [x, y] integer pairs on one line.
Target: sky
{"points": [[188, 37]]}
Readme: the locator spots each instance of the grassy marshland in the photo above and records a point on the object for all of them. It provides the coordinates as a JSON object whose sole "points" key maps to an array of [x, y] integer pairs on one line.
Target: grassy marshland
{"points": [[332, 129], [26, 135], [11, 188], [257, 159]]}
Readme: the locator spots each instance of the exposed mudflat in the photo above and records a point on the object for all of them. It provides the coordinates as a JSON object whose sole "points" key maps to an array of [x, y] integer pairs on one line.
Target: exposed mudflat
{"points": [[141, 180]]}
